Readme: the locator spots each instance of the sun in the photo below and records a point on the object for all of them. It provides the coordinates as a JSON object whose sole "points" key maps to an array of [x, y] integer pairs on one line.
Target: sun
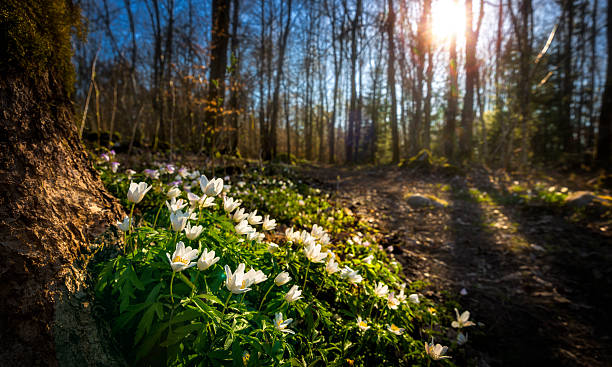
{"points": [[448, 18]]}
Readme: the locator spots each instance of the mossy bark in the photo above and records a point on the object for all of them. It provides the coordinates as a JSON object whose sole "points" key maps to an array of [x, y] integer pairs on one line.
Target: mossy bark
{"points": [[52, 201]]}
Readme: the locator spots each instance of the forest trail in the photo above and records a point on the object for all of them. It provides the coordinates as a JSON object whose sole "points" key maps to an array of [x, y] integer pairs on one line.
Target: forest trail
{"points": [[539, 282]]}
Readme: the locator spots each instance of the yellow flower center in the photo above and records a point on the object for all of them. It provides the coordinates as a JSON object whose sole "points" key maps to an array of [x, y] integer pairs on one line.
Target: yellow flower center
{"points": [[178, 259], [243, 285], [363, 324], [394, 328]]}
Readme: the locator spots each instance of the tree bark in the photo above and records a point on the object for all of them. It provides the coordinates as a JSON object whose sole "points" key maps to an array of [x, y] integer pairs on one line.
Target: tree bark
{"points": [[451, 108], [218, 65], [51, 199], [605, 120], [391, 83]]}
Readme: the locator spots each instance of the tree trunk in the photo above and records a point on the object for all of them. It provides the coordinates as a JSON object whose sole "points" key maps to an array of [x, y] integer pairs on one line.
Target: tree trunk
{"points": [[391, 83], [52, 201], [451, 108], [605, 120], [235, 88], [218, 64]]}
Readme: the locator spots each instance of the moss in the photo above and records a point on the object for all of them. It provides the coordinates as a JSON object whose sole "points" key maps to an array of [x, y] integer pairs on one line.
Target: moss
{"points": [[36, 35]]}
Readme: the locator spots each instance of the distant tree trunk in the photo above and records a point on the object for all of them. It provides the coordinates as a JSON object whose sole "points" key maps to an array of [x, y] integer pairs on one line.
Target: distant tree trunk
{"points": [[391, 83], [451, 108], [337, 55], [218, 64], [426, 141], [567, 86], [235, 88], [353, 105], [605, 120], [269, 149], [590, 140], [52, 201], [471, 74]]}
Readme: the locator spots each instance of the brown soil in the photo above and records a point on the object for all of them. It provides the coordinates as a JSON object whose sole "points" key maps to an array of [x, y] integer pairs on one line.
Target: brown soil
{"points": [[538, 281]]}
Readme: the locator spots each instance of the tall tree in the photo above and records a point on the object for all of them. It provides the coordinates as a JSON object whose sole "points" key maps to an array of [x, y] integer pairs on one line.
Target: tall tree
{"points": [[605, 119], [52, 200], [471, 73], [452, 96], [391, 82], [353, 114], [235, 87], [218, 65]]}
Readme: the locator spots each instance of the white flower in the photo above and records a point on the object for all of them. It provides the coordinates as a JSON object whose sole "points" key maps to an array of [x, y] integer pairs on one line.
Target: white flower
{"points": [[254, 236], [351, 275], [183, 172], [463, 292], [200, 202], [207, 259], [272, 247], [253, 218], [244, 228], [401, 297], [268, 224], [381, 290], [175, 205], [174, 192], [317, 231], [462, 320], [314, 254], [436, 351], [281, 325], [255, 277], [282, 278], [293, 236], [236, 283], [193, 232], [363, 325], [414, 298], [395, 330], [152, 174], [325, 240], [137, 191], [331, 266], [178, 219], [130, 173], [392, 301], [212, 187], [230, 204], [115, 166], [194, 175], [293, 295], [368, 259], [462, 338], [182, 257], [239, 215], [125, 225]]}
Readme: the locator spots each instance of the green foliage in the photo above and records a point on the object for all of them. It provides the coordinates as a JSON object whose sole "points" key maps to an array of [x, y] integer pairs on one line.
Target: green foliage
{"points": [[190, 318], [36, 38]]}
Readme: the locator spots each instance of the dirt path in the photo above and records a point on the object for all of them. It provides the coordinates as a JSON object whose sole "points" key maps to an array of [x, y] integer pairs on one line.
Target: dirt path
{"points": [[539, 282]]}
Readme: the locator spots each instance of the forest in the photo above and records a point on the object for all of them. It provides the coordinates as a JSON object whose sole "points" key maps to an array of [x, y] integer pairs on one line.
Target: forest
{"points": [[305, 182]]}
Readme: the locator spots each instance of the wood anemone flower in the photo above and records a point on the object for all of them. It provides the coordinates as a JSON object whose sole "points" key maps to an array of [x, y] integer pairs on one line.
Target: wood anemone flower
{"points": [[182, 257]]}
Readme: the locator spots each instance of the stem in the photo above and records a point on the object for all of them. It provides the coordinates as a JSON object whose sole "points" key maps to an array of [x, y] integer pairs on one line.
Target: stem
{"points": [[206, 284], [175, 238], [264, 297], [306, 277], [226, 302], [131, 216], [157, 215], [241, 299], [171, 283], [371, 307], [187, 281]]}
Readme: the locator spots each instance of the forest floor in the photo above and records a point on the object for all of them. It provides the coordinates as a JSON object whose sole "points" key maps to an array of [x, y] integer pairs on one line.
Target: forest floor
{"points": [[537, 278]]}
